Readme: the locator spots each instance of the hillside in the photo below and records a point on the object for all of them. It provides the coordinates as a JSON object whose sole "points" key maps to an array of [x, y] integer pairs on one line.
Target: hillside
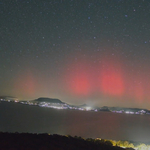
{"points": [[53, 142], [50, 100]]}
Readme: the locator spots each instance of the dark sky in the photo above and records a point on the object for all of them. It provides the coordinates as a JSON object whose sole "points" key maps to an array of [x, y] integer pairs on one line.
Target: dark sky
{"points": [[80, 51]]}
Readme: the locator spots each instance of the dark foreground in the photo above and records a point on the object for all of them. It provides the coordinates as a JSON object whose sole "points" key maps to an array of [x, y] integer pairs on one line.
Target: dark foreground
{"points": [[27, 141]]}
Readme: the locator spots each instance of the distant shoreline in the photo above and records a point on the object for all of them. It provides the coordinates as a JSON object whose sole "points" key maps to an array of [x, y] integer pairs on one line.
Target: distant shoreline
{"points": [[58, 104]]}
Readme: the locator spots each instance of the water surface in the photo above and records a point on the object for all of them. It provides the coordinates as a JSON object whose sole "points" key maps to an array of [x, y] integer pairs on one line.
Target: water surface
{"points": [[16, 117]]}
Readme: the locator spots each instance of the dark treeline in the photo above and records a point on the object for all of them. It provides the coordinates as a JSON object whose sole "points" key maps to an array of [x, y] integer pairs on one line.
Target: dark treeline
{"points": [[28, 141]]}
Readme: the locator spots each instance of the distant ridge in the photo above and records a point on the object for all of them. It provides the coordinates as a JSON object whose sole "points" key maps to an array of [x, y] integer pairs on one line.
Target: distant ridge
{"points": [[50, 100], [58, 104], [7, 97]]}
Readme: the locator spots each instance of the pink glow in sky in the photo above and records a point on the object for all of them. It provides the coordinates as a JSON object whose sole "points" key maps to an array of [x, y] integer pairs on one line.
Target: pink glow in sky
{"points": [[109, 78], [83, 79]]}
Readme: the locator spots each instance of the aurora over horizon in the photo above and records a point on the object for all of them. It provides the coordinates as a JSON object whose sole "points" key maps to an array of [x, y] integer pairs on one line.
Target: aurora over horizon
{"points": [[94, 52]]}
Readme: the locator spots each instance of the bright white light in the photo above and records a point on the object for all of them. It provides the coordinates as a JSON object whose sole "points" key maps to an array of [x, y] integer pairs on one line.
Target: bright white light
{"points": [[88, 108]]}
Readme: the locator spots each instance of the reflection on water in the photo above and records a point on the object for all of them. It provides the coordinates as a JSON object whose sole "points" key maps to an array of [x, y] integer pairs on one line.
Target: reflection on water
{"points": [[24, 118]]}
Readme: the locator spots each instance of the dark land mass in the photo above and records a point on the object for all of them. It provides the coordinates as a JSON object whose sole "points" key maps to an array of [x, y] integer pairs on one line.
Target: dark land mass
{"points": [[50, 100], [28, 141]]}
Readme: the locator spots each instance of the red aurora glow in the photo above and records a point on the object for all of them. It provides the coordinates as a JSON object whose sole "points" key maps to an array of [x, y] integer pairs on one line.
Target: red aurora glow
{"points": [[111, 79], [108, 78], [78, 79], [26, 84]]}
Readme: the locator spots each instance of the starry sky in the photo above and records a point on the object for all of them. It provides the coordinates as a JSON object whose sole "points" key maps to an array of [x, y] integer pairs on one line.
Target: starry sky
{"points": [[80, 51]]}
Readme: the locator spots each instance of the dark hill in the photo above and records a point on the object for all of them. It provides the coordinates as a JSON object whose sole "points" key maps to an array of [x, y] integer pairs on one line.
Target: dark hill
{"points": [[27, 141], [50, 100]]}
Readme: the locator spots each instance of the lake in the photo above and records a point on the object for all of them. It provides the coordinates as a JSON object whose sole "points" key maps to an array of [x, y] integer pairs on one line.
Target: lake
{"points": [[16, 117]]}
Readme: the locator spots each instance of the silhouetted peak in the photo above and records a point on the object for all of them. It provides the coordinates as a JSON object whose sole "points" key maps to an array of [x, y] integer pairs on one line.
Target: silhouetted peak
{"points": [[50, 100]]}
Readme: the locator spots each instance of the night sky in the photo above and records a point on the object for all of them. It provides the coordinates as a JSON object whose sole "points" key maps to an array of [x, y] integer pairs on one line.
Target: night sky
{"points": [[80, 51]]}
